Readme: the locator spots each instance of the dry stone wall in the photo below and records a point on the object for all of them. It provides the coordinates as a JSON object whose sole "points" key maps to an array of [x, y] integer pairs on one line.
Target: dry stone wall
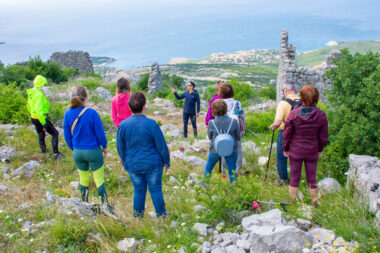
{"points": [[155, 79], [78, 60], [304, 75]]}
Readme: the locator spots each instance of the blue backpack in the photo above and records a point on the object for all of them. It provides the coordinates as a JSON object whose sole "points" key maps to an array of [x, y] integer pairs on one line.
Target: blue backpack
{"points": [[224, 142]]}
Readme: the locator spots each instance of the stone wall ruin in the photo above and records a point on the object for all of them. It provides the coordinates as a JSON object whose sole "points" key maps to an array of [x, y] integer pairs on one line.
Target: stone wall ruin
{"points": [[155, 79], [304, 75], [78, 60]]}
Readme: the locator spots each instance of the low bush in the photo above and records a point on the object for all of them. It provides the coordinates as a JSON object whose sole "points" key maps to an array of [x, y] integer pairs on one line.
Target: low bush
{"points": [[13, 105], [268, 93], [243, 92], [91, 83], [225, 200], [259, 122]]}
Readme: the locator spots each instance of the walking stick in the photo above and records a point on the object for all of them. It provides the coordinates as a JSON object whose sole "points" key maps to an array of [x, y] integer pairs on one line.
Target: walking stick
{"points": [[220, 165], [270, 152]]}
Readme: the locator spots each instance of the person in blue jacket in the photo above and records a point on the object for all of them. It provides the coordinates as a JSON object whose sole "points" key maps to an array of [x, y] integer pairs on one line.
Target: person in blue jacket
{"points": [[88, 142], [192, 100], [143, 151]]}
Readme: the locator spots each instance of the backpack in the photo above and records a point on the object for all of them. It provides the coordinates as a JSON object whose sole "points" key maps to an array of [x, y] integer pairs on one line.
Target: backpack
{"points": [[232, 115], [294, 103], [224, 142]]}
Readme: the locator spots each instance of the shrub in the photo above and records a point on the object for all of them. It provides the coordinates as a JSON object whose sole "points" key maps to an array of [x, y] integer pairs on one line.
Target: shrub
{"points": [[162, 94], [259, 122], [268, 93], [90, 84], [354, 115], [142, 84], [13, 104], [243, 92], [177, 102], [209, 92], [56, 112], [225, 200]]}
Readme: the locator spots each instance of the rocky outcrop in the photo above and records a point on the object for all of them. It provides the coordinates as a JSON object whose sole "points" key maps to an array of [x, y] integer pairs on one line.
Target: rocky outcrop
{"points": [[164, 104], [364, 175], [103, 94], [155, 79], [305, 75], [7, 153], [78, 60], [171, 130]]}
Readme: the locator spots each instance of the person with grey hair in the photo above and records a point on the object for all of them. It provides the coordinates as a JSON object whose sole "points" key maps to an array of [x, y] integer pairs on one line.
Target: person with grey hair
{"points": [[283, 109]]}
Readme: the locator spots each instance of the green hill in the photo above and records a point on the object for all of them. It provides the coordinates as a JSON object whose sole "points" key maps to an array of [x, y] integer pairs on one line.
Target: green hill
{"points": [[318, 56]]}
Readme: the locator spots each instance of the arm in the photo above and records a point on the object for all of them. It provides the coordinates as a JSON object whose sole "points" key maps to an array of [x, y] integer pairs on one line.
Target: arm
{"points": [[99, 130], [39, 108], [160, 143], [280, 113], [67, 132], [198, 103], [288, 134], [120, 144], [182, 96], [114, 112], [323, 133]]}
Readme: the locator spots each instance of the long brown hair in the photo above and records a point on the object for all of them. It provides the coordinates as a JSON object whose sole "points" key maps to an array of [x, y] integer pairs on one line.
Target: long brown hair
{"points": [[78, 96], [123, 86]]}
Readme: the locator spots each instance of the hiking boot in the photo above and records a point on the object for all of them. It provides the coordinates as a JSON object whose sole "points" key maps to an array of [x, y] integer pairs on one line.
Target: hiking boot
{"points": [[43, 148], [314, 196], [58, 156], [195, 133], [293, 191], [281, 182]]}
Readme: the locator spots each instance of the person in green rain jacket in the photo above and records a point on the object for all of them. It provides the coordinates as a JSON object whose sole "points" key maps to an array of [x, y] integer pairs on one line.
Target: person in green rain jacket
{"points": [[38, 107]]}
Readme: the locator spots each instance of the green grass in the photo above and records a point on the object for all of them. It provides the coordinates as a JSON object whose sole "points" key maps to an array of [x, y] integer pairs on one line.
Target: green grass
{"points": [[318, 56]]}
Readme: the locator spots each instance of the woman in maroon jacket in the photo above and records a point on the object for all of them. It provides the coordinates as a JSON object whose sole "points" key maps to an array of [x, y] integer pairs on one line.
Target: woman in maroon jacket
{"points": [[305, 136]]}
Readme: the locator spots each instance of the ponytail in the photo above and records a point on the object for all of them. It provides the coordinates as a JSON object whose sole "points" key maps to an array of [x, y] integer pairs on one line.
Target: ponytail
{"points": [[78, 96]]}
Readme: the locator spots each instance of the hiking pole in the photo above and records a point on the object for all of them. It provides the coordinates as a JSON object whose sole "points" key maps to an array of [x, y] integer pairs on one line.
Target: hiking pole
{"points": [[270, 152], [220, 165]]}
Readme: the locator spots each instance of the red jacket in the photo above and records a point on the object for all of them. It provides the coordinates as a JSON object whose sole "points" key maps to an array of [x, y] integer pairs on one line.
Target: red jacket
{"points": [[305, 133], [120, 109]]}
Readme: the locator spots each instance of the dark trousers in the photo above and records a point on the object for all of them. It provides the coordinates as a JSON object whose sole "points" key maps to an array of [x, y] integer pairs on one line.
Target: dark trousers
{"points": [[193, 120], [295, 172], [41, 134]]}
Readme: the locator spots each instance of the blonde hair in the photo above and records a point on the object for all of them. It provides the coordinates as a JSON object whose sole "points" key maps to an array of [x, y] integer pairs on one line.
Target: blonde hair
{"points": [[78, 96]]}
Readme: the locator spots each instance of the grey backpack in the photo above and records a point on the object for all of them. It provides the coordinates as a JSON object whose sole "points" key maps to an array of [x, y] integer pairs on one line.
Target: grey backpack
{"points": [[224, 142]]}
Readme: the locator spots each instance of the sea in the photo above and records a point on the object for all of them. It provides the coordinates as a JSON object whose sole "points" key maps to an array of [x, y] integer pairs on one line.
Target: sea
{"points": [[136, 33]]}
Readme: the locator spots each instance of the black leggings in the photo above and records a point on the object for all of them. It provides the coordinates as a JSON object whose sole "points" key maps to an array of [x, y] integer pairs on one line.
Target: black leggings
{"points": [[41, 134]]}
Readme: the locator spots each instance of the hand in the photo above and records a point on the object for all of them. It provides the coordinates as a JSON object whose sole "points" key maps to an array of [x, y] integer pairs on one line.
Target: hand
{"points": [[286, 154], [319, 154], [44, 127], [174, 90], [272, 127], [104, 152], [166, 168], [197, 114]]}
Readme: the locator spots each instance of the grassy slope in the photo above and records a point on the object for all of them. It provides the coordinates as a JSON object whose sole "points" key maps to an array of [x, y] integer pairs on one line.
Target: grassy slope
{"points": [[342, 213], [318, 56]]}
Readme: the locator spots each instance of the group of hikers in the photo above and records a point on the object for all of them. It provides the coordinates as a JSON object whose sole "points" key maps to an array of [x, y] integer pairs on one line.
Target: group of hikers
{"points": [[143, 150]]}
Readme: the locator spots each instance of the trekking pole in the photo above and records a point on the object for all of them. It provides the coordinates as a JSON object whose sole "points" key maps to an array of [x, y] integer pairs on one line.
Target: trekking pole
{"points": [[270, 152], [220, 165]]}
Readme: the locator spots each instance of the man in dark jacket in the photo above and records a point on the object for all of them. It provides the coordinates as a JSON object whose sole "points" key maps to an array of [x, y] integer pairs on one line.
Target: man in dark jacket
{"points": [[192, 100]]}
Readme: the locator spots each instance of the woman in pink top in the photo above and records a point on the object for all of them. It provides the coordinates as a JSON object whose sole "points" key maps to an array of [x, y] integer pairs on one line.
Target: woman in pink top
{"points": [[209, 115], [119, 108]]}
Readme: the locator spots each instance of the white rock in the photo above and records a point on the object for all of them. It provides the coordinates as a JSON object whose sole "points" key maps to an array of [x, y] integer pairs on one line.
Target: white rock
{"points": [[164, 104], [158, 113], [220, 226], [218, 250], [127, 245], [265, 105], [234, 249], [24, 206], [199, 208], [173, 180], [250, 146], [174, 224], [193, 177], [3, 188], [262, 161], [243, 244], [7, 153], [339, 242], [171, 130], [329, 185], [104, 94], [152, 214], [206, 247], [201, 228], [305, 225], [204, 143], [322, 235], [123, 179], [272, 218], [75, 184]]}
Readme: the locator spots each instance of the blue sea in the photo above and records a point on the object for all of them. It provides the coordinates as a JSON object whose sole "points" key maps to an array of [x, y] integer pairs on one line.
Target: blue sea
{"points": [[137, 33]]}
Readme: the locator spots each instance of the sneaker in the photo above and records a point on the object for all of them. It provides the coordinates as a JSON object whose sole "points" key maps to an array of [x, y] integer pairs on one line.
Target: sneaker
{"points": [[58, 156], [280, 182]]}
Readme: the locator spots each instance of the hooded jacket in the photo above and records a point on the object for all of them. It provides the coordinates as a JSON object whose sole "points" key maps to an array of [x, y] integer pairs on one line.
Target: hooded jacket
{"points": [[305, 133], [120, 109], [38, 106], [191, 100]]}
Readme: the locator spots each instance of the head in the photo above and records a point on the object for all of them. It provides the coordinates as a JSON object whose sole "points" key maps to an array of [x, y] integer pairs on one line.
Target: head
{"points": [[78, 96], [309, 95], [39, 81], [123, 86], [218, 85], [226, 91], [289, 87], [219, 108], [190, 86], [137, 102]]}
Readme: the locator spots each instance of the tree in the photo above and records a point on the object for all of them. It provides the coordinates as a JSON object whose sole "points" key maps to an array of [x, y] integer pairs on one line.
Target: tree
{"points": [[142, 84]]}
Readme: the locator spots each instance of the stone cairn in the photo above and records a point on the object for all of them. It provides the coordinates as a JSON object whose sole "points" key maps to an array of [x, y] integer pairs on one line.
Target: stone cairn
{"points": [[305, 75], [155, 79], [78, 60]]}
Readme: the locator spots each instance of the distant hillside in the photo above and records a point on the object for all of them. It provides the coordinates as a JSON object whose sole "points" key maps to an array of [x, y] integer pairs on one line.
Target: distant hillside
{"points": [[318, 56]]}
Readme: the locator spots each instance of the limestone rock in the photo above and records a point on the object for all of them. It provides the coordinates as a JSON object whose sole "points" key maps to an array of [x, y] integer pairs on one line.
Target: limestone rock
{"points": [[272, 218], [158, 113], [7, 153], [322, 235], [206, 247], [173, 180], [249, 146], [75, 184], [201, 228], [78, 60], [164, 104], [174, 224], [127, 245], [198, 208], [263, 161], [24, 206], [3, 188], [171, 130], [193, 177], [27, 169], [155, 79], [104, 94], [305, 225], [263, 106], [329, 185], [364, 174], [123, 179], [9, 129]]}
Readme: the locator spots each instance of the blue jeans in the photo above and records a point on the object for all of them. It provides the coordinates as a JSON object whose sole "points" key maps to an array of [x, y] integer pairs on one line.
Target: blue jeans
{"points": [[152, 180], [193, 120], [231, 165], [282, 161]]}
